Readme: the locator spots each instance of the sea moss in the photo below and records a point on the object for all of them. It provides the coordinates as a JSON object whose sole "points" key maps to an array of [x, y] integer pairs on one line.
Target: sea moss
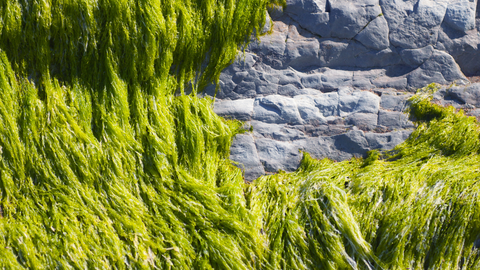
{"points": [[102, 165]]}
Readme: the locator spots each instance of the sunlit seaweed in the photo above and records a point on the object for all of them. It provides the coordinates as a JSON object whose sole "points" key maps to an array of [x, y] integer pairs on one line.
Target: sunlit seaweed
{"points": [[102, 165]]}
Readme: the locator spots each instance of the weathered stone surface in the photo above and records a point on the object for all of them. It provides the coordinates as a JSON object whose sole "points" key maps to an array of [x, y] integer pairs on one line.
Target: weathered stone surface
{"points": [[437, 69], [276, 109], [328, 104], [387, 141], [317, 23], [375, 34], [466, 95], [391, 82], [396, 11], [460, 16], [332, 77], [363, 121], [416, 57], [278, 155], [308, 111], [348, 18], [351, 144], [241, 109], [304, 6], [276, 132], [394, 120], [244, 152], [358, 102], [393, 102]]}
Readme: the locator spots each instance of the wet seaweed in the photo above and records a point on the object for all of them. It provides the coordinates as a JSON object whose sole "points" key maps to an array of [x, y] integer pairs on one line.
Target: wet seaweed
{"points": [[102, 165]]}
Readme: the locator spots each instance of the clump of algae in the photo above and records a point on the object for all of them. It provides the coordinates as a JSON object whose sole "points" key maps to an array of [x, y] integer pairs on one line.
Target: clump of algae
{"points": [[103, 166]]}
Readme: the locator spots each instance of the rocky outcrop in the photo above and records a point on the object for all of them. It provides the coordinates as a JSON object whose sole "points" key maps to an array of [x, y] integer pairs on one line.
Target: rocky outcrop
{"points": [[331, 77]]}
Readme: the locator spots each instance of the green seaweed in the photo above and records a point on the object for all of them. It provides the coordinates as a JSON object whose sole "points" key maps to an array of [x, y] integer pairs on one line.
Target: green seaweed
{"points": [[101, 164]]}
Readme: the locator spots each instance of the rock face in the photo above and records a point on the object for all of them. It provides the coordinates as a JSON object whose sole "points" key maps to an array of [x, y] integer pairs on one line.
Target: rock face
{"points": [[331, 77]]}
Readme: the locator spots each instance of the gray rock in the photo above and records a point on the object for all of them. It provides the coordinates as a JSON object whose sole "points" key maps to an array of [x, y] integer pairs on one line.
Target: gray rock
{"points": [[463, 47], [358, 102], [305, 6], [330, 51], [391, 82], [308, 111], [243, 62], [416, 57], [387, 141], [430, 13], [313, 81], [466, 95], [265, 88], [272, 45], [267, 26], [246, 89], [279, 132], [396, 11], [393, 102], [440, 68], [330, 129], [333, 79], [394, 120], [320, 147], [302, 52], [290, 77], [340, 54], [244, 152], [239, 76], [377, 59], [276, 109], [328, 79], [298, 86], [327, 104], [288, 90], [411, 35], [419, 28], [363, 121], [241, 109], [348, 18], [275, 155], [351, 144], [375, 34], [460, 16], [316, 23]]}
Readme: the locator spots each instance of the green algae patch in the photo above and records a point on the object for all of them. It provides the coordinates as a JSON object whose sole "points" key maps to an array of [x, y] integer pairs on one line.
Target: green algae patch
{"points": [[167, 199], [415, 207], [104, 163]]}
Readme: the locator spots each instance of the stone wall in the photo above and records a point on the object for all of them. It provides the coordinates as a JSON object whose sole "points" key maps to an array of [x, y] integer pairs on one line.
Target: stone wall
{"points": [[331, 77]]}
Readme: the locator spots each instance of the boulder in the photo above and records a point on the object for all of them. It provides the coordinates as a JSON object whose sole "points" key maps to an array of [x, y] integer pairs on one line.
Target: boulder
{"points": [[460, 16]]}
